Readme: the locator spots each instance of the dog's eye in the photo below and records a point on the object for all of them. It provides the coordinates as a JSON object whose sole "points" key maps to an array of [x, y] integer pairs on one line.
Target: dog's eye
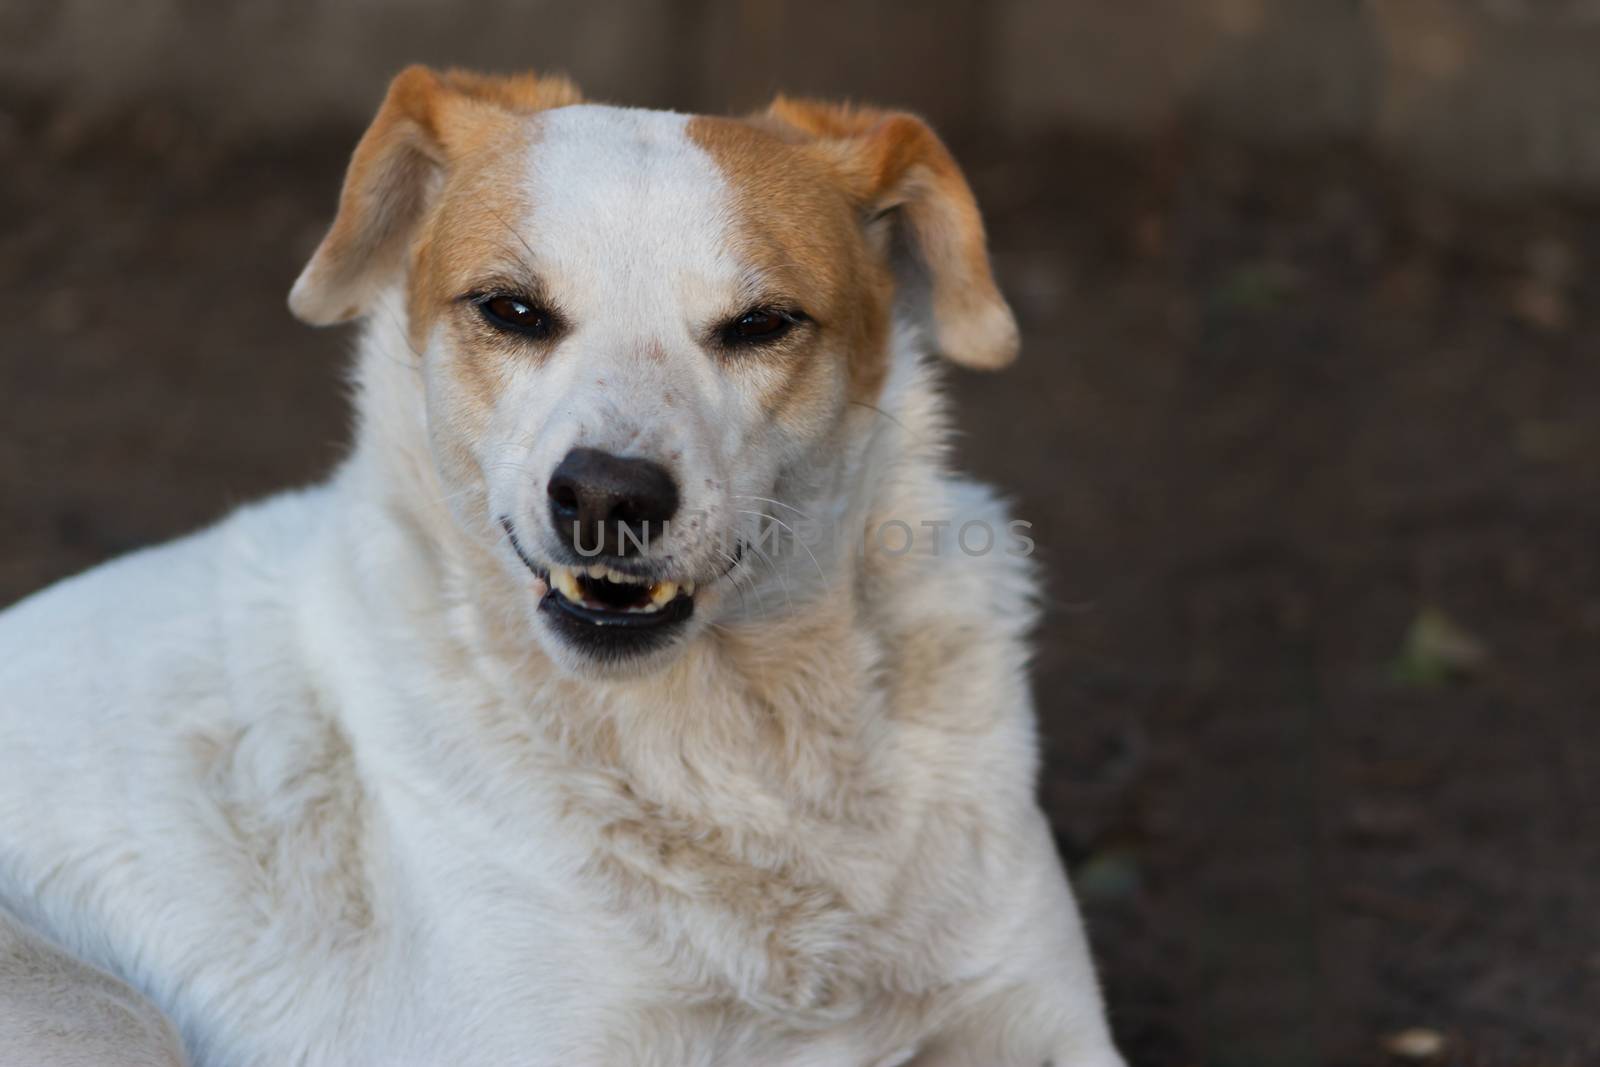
{"points": [[759, 325], [515, 314]]}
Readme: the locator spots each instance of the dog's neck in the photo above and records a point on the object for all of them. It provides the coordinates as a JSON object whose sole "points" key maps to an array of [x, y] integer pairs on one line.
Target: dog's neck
{"points": [[450, 578]]}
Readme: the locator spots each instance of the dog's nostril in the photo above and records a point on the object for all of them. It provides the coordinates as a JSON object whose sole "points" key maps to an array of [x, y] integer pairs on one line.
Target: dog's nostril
{"points": [[564, 495]]}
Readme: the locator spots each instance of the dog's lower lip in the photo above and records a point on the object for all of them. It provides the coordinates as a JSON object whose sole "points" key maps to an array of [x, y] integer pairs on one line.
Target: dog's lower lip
{"points": [[672, 613], [613, 614]]}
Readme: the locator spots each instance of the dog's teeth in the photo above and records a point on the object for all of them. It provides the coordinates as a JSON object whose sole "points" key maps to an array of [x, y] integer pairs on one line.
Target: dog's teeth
{"points": [[566, 583], [569, 583]]}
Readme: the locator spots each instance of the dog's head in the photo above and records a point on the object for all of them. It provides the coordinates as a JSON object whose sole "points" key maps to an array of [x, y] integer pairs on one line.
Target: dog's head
{"points": [[640, 332]]}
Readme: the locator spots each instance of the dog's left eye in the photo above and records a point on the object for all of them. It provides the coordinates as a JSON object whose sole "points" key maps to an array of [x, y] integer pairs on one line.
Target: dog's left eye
{"points": [[759, 325], [515, 314]]}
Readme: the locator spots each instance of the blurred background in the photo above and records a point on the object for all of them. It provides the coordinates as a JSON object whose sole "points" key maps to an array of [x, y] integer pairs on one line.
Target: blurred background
{"points": [[1307, 423]]}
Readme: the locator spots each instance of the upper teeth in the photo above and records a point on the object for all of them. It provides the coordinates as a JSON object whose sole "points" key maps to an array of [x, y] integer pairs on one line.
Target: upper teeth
{"points": [[565, 581]]}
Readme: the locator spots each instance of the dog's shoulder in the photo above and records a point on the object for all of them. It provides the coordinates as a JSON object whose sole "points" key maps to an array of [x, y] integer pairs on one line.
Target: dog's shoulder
{"points": [[949, 583], [112, 645], [170, 767]]}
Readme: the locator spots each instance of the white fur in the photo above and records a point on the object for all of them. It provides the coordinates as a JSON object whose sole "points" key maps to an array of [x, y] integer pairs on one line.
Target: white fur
{"points": [[316, 782]]}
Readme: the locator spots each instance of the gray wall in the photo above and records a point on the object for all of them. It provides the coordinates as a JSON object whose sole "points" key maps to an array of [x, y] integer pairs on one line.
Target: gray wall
{"points": [[1484, 92]]}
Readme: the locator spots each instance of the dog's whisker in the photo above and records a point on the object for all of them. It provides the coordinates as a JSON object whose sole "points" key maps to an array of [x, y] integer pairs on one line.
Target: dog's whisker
{"points": [[736, 576], [885, 414], [797, 539], [732, 572], [512, 230], [780, 503], [776, 573]]}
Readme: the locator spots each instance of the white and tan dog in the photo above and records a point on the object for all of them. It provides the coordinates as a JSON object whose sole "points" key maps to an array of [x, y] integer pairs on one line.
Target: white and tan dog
{"points": [[518, 742]]}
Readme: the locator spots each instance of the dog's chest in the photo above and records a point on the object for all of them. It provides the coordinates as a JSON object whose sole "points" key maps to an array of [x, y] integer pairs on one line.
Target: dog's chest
{"points": [[491, 896], [566, 962], [783, 912], [617, 960]]}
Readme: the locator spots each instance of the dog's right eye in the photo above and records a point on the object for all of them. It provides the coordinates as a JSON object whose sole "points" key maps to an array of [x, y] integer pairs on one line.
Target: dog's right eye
{"points": [[760, 326], [514, 315]]}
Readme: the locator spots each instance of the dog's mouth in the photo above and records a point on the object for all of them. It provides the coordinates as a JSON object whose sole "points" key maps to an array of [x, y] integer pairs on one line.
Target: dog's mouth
{"points": [[610, 612], [612, 616], [600, 595]]}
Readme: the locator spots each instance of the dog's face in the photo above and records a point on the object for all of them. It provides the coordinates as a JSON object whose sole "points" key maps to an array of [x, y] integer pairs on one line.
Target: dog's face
{"points": [[641, 332]]}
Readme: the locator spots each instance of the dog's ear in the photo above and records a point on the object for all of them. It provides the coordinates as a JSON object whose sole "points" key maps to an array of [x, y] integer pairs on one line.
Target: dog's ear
{"points": [[897, 166], [427, 120]]}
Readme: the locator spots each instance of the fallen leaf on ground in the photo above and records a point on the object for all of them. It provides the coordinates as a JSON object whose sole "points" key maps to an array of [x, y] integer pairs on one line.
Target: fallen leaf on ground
{"points": [[1438, 648], [1417, 1043], [1108, 876], [1541, 306]]}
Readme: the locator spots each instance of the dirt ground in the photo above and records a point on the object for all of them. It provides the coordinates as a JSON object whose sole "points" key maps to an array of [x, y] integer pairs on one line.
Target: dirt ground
{"points": [[1313, 457]]}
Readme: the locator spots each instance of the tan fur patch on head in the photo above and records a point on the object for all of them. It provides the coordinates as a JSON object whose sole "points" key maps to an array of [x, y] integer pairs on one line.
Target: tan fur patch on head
{"points": [[429, 125], [471, 232], [524, 93], [800, 230], [893, 162]]}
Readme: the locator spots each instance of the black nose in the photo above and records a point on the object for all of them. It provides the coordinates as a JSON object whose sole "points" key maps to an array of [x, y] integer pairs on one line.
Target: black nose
{"points": [[611, 505]]}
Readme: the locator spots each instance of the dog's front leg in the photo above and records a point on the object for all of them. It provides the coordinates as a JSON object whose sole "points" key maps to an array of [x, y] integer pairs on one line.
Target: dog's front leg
{"points": [[1039, 1004], [56, 1011]]}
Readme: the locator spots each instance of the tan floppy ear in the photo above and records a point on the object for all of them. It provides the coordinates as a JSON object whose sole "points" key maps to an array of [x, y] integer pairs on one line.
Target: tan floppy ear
{"points": [[898, 165], [427, 120]]}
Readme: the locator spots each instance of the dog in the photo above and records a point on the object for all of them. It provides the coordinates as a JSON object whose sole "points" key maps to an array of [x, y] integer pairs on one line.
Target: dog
{"points": [[525, 739]]}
